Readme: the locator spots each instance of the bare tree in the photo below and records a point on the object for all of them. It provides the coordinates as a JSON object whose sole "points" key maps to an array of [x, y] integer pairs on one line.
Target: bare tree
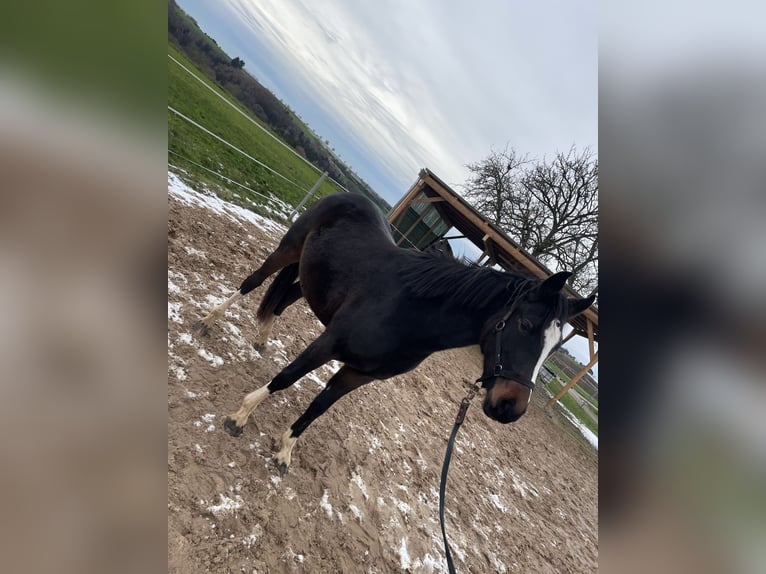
{"points": [[550, 208], [492, 185]]}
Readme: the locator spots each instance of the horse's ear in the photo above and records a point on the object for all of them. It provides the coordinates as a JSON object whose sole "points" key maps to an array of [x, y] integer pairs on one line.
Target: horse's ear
{"points": [[577, 306], [554, 283]]}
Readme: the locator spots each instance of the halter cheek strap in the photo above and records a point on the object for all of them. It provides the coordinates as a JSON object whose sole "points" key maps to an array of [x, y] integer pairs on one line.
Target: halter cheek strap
{"points": [[499, 370]]}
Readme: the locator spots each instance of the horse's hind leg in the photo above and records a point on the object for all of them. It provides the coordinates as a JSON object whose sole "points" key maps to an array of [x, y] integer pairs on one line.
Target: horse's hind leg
{"points": [[266, 319], [315, 355], [288, 252], [343, 382]]}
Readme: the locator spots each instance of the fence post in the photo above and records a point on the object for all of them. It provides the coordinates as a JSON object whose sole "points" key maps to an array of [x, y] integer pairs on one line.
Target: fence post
{"points": [[311, 192]]}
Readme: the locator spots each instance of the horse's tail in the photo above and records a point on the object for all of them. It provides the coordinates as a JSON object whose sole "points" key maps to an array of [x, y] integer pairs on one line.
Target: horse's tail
{"points": [[277, 291]]}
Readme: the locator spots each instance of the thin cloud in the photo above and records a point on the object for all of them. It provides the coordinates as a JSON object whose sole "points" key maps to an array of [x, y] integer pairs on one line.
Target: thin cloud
{"points": [[403, 85]]}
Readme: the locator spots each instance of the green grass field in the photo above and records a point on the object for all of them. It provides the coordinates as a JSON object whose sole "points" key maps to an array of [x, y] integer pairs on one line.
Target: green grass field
{"points": [[574, 408], [570, 403], [187, 144]]}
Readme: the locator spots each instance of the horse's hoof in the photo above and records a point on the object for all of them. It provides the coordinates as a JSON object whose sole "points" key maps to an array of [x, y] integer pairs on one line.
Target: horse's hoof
{"points": [[231, 427], [259, 347], [282, 468], [201, 328]]}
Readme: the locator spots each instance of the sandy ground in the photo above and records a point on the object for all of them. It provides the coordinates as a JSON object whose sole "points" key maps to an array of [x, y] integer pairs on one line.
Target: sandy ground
{"points": [[362, 491]]}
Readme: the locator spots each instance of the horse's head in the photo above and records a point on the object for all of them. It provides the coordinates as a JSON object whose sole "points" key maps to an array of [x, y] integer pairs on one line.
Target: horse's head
{"points": [[517, 340]]}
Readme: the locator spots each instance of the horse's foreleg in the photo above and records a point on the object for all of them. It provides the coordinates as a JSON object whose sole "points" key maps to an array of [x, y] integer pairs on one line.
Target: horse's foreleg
{"points": [[315, 355], [343, 382]]}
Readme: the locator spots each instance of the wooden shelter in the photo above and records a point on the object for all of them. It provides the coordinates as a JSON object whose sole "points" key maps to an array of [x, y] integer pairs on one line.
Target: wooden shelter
{"points": [[431, 208]]}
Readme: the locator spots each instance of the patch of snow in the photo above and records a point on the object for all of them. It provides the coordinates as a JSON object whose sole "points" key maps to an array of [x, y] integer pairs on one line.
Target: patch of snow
{"points": [[317, 380], [589, 435], [174, 312], [185, 194], [233, 329], [179, 372], [404, 557], [523, 487], [195, 252], [325, 503], [176, 276], [495, 500], [356, 512], [227, 505], [214, 360], [185, 338], [403, 507], [431, 564], [356, 479], [499, 566]]}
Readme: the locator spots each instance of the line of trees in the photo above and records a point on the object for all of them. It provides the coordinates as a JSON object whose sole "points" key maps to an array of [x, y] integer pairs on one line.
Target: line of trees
{"points": [[550, 207]]}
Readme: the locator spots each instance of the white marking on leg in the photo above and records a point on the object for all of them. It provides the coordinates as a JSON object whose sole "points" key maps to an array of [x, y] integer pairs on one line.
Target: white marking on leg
{"points": [[551, 338], [249, 403], [218, 311], [264, 331], [288, 442]]}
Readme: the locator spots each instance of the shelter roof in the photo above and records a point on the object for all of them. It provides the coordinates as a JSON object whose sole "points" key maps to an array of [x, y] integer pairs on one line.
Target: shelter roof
{"points": [[454, 211]]}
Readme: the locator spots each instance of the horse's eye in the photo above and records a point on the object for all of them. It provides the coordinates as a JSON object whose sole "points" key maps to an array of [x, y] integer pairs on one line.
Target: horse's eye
{"points": [[525, 325]]}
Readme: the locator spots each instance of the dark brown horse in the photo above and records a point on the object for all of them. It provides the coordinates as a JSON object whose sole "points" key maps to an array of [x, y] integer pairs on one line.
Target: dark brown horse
{"points": [[386, 309]]}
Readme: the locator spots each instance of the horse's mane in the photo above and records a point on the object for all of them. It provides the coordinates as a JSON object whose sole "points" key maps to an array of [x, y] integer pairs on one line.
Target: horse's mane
{"points": [[459, 282]]}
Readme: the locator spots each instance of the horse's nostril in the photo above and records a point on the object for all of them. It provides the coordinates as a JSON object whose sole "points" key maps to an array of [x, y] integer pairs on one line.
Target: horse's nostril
{"points": [[507, 406]]}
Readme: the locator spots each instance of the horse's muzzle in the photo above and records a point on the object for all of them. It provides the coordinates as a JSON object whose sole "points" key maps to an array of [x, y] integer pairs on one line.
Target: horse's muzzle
{"points": [[506, 401], [504, 412]]}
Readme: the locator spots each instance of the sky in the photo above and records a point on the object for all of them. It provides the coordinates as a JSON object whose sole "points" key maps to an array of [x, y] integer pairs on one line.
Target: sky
{"points": [[398, 85]]}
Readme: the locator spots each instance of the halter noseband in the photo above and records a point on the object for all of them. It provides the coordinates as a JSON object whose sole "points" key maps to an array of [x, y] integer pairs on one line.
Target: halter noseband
{"points": [[499, 370]]}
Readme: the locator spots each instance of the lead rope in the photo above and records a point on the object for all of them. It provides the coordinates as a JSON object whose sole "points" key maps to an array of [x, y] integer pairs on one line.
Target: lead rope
{"points": [[445, 467]]}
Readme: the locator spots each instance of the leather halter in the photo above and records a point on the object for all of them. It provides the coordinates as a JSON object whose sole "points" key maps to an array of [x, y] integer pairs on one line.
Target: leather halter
{"points": [[499, 370]]}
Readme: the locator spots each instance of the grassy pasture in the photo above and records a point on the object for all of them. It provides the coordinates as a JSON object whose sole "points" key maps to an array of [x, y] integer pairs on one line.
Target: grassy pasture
{"points": [[187, 143]]}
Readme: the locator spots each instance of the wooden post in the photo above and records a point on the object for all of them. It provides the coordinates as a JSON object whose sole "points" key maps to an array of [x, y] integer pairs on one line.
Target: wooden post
{"points": [[591, 346], [572, 381]]}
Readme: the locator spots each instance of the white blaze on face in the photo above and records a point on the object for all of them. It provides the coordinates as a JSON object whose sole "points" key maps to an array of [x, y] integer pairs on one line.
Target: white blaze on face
{"points": [[551, 338]]}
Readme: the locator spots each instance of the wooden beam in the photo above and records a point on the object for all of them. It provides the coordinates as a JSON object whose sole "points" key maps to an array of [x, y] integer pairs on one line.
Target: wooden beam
{"points": [[427, 200], [405, 202], [572, 333], [591, 346], [572, 382], [486, 228], [489, 249]]}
